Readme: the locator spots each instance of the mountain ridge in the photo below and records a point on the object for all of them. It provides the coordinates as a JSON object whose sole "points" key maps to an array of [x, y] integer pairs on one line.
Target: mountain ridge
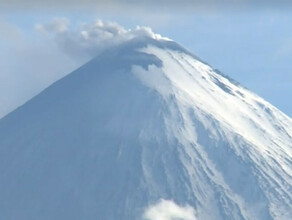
{"points": [[141, 122]]}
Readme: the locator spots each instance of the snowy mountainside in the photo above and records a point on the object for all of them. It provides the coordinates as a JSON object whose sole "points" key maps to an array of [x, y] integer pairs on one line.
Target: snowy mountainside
{"points": [[141, 122]]}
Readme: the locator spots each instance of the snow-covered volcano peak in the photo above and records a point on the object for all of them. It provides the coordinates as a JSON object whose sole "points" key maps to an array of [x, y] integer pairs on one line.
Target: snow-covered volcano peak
{"points": [[143, 122]]}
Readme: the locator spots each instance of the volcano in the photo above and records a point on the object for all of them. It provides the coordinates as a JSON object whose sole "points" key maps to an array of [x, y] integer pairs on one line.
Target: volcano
{"points": [[143, 121]]}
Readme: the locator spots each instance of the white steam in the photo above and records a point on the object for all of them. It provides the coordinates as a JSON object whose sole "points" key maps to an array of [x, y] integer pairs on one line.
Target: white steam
{"points": [[88, 40]]}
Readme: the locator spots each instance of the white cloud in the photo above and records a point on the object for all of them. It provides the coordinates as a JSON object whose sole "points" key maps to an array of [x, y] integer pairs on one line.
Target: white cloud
{"points": [[57, 25], [169, 210], [88, 40]]}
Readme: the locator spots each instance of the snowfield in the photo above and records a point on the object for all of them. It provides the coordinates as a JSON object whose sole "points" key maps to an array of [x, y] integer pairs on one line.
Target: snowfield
{"points": [[146, 121]]}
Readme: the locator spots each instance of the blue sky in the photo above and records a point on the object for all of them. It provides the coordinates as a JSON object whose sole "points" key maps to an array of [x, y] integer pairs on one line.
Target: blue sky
{"points": [[253, 46]]}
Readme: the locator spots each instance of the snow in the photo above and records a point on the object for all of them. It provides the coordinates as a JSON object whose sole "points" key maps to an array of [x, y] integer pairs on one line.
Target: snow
{"points": [[141, 123]]}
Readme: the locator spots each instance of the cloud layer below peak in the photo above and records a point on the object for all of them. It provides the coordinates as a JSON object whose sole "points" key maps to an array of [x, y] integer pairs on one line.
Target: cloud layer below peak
{"points": [[169, 210]]}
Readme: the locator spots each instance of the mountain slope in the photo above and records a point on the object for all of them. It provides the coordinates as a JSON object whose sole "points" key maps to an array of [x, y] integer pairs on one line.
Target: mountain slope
{"points": [[143, 121]]}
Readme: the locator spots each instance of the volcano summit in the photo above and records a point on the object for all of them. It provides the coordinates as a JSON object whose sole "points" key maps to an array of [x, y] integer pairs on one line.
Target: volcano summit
{"points": [[145, 121]]}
